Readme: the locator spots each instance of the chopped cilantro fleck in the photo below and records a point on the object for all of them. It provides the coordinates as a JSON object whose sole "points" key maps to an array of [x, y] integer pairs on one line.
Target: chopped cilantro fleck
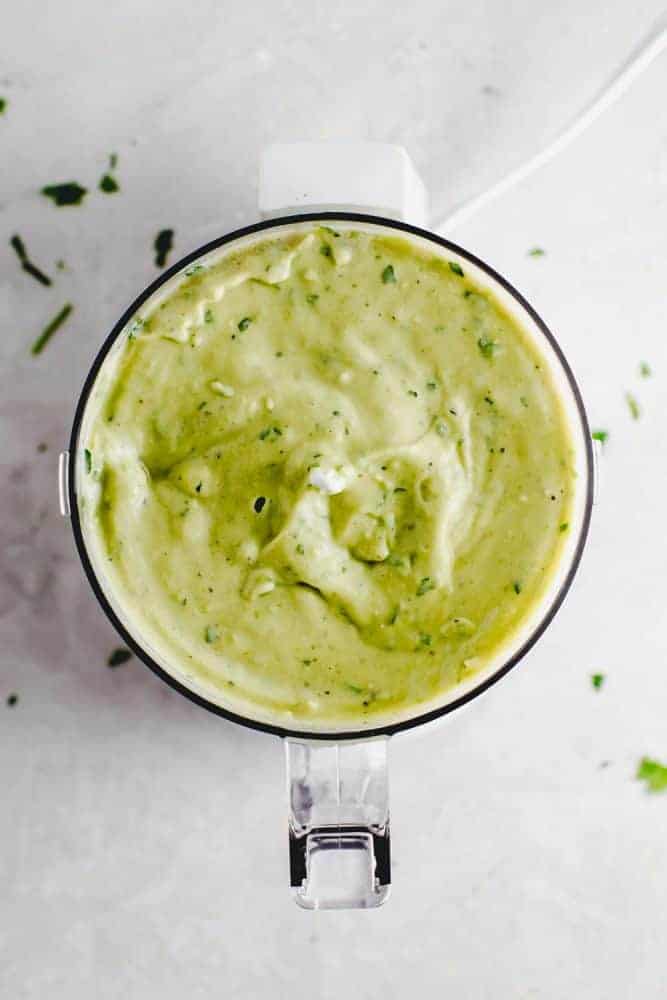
{"points": [[425, 584], [653, 773], [162, 245], [210, 633], [486, 346], [645, 369], [516, 586], [113, 161], [597, 680], [88, 459], [413, 392], [536, 252], [244, 323], [389, 275], [69, 193], [564, 526], [326, 251], [354, 688], [198, 487], [270, 433], [50, 329], [300, 549], [633, 406], [3, 105], [12, 700], [118, 657], [312, 298], [108, 184], [600, 436], [208, 316], [432, 386], [424, 639], [523, 400], [27, 265], [456, 268], [259, 504], [400, 489]]}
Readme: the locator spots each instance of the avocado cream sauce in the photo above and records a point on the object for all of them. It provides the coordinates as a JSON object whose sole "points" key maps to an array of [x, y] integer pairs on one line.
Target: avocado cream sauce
{"points": [[327, 475]]}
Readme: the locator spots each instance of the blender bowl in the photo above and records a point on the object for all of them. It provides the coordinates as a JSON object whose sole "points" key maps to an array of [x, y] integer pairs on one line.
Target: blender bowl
{"points": [[337, 777]]}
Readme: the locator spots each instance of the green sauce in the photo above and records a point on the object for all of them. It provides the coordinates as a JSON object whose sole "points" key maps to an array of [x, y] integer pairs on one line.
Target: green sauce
{"points": [[328, 476]]}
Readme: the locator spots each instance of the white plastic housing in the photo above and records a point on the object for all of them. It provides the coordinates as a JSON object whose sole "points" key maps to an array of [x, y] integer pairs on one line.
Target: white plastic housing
{"points": [[371, 177]]}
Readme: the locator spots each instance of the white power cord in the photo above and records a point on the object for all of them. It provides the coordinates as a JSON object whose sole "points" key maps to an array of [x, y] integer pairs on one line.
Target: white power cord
{"points": [[624, 78]]}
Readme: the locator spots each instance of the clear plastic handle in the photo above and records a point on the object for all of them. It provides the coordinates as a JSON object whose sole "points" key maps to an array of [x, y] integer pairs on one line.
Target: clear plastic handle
{"points": [[338, 798]]}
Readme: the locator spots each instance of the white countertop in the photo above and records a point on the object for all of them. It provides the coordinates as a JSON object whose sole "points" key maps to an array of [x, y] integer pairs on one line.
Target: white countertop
{"points": [[143, 840]]}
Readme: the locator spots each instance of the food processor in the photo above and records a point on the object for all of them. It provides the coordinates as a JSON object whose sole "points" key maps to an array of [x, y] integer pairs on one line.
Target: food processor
{"points": [[337, 780]]}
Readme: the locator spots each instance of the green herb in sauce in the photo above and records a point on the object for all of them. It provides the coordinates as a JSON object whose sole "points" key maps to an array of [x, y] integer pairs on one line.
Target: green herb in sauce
{"points": [[597, 680], [487, 346], [270, 434]]}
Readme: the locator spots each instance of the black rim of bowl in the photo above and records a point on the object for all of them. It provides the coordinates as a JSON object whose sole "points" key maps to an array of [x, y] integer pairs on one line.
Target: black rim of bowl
{"points": [[285, 731]]}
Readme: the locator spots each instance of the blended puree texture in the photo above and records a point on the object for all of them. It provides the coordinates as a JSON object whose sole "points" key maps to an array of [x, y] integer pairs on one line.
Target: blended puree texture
{"points": [[328, 475]]}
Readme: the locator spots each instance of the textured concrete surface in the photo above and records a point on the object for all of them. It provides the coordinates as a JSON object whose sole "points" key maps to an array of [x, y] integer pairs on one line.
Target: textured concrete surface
{"points": [[142, 841]]}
